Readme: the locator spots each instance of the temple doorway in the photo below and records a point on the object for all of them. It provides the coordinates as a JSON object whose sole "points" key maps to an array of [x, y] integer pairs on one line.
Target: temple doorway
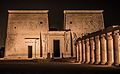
{"points": [[29, 51], [56, 48]]}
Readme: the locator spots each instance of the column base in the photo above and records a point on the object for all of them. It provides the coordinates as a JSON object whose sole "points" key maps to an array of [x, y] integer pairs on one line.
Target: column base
{"points": [[91, 62], [115, 64], [118, 65], [76, 61], [97, 63], [110, 64], [86, 62], [80, 62], [83, 61], [102, 63]]}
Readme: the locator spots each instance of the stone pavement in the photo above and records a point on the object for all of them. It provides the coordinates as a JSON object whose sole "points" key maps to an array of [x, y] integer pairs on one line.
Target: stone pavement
{"points": [[45, 67]]}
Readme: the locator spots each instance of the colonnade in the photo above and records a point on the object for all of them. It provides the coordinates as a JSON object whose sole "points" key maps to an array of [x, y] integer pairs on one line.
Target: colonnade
{"points": [[102, 47]]}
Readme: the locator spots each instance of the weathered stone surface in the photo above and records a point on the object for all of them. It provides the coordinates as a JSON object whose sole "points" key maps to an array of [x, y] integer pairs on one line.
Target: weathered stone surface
{"points": [[87, 51], [64, 45], [116, 43], [80, 51], [24, 29], [92, 50], [31, 28], [103, 49], [97, 50], [83, 21], [110, 53], [104, 46], [83, 51]]}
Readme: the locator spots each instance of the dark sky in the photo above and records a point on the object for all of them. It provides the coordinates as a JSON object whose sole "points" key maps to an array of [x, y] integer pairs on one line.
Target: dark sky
{"points": [[111, 10]]}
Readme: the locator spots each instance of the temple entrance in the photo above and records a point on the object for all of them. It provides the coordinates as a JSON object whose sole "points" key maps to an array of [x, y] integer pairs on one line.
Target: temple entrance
{"points": [[56, 48], [29, 51]]}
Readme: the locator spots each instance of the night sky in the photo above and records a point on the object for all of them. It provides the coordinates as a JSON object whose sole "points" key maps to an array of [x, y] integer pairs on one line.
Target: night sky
{"points": [[111, 10]]}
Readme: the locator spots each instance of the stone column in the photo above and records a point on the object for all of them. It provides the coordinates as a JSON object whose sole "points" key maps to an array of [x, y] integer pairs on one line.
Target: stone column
{"points": [[97, 50], [77, 52], [109, 48], [83, 51], [103, 49], [87, 51], [80, 50], [116, 48], [92, 48]]}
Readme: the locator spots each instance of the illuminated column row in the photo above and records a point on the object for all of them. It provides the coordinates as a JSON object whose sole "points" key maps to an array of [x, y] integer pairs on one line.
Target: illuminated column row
{"points": [[101, 49]]}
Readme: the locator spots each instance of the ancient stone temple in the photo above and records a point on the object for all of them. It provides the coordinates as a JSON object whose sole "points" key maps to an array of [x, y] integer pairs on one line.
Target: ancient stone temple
{"points": [[29, 37]]}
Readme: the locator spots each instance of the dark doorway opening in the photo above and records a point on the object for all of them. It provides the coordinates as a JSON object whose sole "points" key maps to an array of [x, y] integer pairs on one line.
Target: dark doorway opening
{"points": [[2, 52], [29, 51], [56, 48]]}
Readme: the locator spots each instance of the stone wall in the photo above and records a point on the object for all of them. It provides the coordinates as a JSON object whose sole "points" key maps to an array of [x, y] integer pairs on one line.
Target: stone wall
{"points": [[65, 43], [83, 21], [30, 28], [23, 24]]}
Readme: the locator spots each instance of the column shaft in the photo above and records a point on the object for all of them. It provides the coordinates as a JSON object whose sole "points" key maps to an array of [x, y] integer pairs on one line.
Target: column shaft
{"points": [[80, 49], [92, 48], [87, 51], [78, 52], [103, 49], [83, 51], [109, 48], [97, 50], [116, 48]]}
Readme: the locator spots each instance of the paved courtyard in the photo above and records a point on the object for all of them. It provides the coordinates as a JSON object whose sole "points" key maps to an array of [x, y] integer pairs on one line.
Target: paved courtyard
{"points": [[56, 68]]}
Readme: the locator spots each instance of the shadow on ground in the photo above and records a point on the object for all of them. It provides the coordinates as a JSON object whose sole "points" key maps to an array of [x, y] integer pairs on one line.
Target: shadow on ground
{"points": [[56, 68]]}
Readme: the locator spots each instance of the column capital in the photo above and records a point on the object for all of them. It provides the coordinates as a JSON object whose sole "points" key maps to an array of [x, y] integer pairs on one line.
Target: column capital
{"points": [[83, 41], [79, 41], [91, 38], [97, 37], [116, 32], [109, 35], [103, 36], [87, 39]]}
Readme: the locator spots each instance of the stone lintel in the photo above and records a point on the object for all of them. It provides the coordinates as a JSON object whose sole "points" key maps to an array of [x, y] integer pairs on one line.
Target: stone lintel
{"points": [[28, 11], [56, 33], [104, 31], [83, 11]]}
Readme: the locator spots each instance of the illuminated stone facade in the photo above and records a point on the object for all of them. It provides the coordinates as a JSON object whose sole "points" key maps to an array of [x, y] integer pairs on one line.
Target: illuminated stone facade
{"points": [[24, 29], [82, 22], [28, 35]]}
